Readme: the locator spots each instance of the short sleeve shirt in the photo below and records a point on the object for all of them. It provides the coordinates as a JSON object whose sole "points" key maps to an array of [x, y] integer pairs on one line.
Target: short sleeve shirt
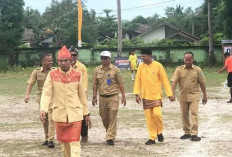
{"points": [[107, 80], [228, 64], [133, 58], [189, 80]]}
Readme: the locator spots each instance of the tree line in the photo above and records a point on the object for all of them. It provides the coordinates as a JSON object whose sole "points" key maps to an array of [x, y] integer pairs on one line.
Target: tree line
{"points": [[60, 22]]}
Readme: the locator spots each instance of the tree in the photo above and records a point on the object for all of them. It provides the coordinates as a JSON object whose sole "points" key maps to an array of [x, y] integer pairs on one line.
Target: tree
{"points": [[228, 19], [107, 26], [32, 20], [11, 23], [61, 18]]}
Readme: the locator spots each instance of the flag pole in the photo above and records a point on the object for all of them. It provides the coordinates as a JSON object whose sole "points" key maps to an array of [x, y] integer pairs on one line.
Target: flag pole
{"points": [[79, 10]]}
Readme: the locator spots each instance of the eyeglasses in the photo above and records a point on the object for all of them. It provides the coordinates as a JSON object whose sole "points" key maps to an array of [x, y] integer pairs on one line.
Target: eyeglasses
{"points": [[73, 55], [104, 57]]}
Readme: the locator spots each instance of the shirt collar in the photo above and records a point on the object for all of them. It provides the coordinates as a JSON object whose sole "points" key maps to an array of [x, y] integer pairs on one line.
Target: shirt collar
{"points": [[193, 66], [110, 67], [42, 69]]}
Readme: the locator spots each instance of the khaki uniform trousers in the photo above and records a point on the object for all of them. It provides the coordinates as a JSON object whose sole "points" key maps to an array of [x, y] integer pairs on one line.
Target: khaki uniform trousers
{"points": [[154, 121], [49, 126], [71, 149], [185, 108], [108, 108]]}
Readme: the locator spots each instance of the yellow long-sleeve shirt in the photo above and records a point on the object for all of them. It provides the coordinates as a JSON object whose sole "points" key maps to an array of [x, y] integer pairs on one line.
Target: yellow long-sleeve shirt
{"points": [[68, 93], [149, 81], [81, 67]]}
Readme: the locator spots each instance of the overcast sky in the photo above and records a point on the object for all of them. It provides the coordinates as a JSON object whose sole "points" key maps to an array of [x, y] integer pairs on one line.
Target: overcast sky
{"points": [[130, 8]]}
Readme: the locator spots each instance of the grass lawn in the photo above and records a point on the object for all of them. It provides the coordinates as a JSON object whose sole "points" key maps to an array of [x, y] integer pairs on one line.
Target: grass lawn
{"points": [[14, 83]]}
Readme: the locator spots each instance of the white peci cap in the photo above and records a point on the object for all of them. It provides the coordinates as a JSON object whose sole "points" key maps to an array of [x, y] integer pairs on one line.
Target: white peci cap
{"points": [[106, 53]]}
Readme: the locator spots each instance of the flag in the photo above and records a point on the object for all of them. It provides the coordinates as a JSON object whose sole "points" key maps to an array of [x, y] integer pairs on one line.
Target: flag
{"points": [[79, 8]]}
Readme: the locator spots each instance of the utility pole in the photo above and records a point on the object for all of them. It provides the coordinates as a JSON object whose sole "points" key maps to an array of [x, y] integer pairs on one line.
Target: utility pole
{"points": [[211, 49], [119, 29]]}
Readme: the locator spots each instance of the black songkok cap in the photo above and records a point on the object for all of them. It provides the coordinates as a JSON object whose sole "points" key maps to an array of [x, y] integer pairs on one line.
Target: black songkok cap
{"points": [[146, 51]]}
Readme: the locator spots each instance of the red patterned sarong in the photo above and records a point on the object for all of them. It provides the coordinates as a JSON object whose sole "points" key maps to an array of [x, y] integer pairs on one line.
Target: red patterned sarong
{"points": [[68, 132]]}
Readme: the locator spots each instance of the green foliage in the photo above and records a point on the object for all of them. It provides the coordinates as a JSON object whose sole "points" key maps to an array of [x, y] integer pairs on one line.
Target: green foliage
{"points": [[11, 26], [106, 26], [204, 41], [61, 17], [216, 39]]}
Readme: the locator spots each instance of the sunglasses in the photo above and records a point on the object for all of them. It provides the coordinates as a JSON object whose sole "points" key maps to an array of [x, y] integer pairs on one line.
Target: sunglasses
{"points": [[104, 57], [73, 55]]}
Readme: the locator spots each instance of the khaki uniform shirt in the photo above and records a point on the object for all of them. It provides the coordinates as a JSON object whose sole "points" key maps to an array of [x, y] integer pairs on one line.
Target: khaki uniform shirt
{"points": [[40, 76], [189, 80], [101, 76], [81, 67], [68, 93]]}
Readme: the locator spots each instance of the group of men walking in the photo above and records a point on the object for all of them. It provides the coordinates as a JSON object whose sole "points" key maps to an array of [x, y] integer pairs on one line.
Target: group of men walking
{"points": [[64, 96]]}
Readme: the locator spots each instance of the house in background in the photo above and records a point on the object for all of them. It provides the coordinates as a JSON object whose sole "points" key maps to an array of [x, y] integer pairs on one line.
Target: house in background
{"points": [[167, 31], [28, 37], [47, 42]]}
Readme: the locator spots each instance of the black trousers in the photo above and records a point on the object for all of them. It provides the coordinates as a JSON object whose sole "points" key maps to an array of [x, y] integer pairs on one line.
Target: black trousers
{"points": [[84, 129]]}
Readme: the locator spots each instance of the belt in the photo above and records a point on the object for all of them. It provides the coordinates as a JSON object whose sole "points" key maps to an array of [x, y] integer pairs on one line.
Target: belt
{"points": [[106, 96]]}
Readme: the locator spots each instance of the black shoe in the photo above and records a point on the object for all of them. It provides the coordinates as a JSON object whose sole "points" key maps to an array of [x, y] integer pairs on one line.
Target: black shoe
{"points": [[230, 101], [195, 138], [160, 138], [51, 144], [45, 143], [110, 142], [150, 142], [185, 136], [84, 139]]}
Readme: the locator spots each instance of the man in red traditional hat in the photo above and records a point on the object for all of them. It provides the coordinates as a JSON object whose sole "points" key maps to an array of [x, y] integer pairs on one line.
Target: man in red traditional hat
{"points": [[65, 87]]}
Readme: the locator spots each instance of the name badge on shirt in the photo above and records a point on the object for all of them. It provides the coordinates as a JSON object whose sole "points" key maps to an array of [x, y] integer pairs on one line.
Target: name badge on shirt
{"points": [[109, 80]]}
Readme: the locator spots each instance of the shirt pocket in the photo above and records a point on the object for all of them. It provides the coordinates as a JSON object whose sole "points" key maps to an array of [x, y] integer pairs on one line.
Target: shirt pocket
{"points": [[182, 75], [99, 75], [194, 77], [40, 77]]}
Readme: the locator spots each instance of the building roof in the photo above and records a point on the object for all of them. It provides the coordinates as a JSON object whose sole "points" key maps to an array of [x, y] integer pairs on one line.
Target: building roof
{"points": [[142, 28], [49, 40], [28, 35], [179, 31]]}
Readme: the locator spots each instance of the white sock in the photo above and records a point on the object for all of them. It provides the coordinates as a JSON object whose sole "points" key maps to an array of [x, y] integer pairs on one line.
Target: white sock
{"points": [[132, 76]]}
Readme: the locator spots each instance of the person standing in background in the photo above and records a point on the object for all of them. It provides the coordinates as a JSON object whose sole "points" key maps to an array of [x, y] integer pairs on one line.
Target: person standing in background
{"points": [[228, 66], [133, 64], [39, 75], [76, 64]]}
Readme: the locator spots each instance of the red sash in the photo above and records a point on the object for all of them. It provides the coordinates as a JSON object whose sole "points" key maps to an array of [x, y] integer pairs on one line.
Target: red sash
{"points": [[68, 132]]}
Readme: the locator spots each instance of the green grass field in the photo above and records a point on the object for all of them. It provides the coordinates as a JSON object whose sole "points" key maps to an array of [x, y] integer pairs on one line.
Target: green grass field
{"points": [[13, 83]]}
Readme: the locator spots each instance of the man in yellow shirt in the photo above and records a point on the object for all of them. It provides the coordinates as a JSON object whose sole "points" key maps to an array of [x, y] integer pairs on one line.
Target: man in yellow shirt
{"points": [[39, 75], [148, 87], [189, 77], [80, 67], [64, 87], [133, 63]]}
